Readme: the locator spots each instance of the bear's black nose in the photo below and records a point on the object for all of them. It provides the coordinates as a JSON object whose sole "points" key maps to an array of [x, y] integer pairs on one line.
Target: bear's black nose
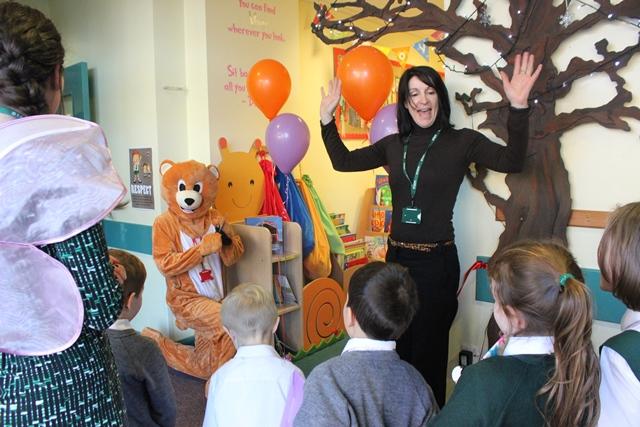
{"points": [[189, 201]]}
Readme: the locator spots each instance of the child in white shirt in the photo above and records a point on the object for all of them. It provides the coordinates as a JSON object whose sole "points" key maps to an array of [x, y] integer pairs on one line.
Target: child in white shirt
{"points": [[257, 387], [619, 261]]}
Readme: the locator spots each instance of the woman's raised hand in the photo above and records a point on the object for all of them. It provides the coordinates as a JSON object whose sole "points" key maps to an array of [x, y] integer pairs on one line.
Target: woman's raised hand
{"points": [[329, 101], [517, 88]]}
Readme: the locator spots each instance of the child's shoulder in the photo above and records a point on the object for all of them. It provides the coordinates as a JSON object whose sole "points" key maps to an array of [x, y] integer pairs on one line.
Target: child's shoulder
{"points": [[625, 339], [145, 347], [289, 366], [507, 370]]}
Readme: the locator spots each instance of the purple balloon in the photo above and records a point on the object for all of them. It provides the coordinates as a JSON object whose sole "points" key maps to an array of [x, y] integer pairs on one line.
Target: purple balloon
{"points": [[384, 123], [287, 138]]}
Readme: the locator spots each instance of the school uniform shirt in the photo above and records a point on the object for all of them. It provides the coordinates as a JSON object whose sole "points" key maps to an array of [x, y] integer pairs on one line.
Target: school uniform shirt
{"points": [[502, 390], [252, 389], [619, 386]]}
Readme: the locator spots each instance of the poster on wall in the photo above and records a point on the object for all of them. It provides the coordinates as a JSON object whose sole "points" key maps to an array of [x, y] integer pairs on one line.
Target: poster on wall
{"points": [[141, 178], [246, 32]]}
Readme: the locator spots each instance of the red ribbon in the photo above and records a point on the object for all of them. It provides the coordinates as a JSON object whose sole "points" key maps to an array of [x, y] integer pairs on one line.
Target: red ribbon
{"points": [[478, 265]]}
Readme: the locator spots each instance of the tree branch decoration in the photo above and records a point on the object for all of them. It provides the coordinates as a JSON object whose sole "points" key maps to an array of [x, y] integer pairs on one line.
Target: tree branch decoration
{"points": [[540, 202]]}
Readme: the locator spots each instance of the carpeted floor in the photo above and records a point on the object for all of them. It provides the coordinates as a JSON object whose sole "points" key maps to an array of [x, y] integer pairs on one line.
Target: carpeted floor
{"points": [[190, 398]]}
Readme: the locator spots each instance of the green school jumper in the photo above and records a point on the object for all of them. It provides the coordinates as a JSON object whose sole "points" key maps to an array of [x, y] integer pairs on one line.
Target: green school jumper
{"points": [[627, 345], [78, 386], [499, 391]]}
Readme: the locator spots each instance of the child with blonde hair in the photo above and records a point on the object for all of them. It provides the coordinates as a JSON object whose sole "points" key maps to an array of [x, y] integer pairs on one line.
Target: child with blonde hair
{"points": [[257, 387], [619, 261], [547, 373]]}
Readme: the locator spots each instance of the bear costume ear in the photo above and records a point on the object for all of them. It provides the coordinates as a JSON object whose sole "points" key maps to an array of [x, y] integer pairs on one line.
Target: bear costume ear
{"points": [[165, 166], [214, 171]]}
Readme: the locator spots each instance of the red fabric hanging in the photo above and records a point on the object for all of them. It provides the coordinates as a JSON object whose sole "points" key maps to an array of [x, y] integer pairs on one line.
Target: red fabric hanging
{"points": [[273, 204]]}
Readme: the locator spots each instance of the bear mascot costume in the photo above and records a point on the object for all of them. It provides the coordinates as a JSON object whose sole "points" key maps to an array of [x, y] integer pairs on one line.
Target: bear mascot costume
{"points": [[191, 240]]}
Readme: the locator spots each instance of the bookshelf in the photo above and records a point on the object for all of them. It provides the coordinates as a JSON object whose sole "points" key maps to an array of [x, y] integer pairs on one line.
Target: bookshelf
{"points": [[258, 264]]}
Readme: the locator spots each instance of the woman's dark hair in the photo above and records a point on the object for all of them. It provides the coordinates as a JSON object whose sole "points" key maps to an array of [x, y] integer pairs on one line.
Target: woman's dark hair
{"points": [[30, 51], [430, 77], [384, 299]]}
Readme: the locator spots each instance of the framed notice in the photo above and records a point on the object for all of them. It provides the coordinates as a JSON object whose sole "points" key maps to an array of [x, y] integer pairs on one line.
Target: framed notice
{"points": [[141, 178]]}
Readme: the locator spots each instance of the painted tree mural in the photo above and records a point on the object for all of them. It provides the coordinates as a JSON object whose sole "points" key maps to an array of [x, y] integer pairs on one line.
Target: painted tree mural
{"points": [[540, 202]]}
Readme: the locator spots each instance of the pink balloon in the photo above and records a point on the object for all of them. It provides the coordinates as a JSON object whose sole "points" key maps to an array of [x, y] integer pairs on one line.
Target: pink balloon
{"points": [[287, 138], [384, 123]]}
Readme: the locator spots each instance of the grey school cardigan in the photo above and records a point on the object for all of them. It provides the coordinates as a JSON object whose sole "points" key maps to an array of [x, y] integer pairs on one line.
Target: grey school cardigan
{"points": [[147, 388], [366, 388]]}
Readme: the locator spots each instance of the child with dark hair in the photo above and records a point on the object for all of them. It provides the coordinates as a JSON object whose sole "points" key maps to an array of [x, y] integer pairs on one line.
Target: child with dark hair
{"points": [[369, 385], [147, 388], [619, 261], [546, 372]]}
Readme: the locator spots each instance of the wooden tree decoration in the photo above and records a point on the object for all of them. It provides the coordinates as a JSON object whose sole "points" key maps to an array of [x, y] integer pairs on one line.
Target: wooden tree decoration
{"points": [[540, 202]]}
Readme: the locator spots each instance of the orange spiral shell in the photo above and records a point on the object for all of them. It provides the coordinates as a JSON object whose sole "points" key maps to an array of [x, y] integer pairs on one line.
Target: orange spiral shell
{"points": [[323, 300]]}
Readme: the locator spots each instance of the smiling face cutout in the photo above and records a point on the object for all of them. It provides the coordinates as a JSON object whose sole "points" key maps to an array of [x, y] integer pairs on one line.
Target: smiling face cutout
{"points": [[241, 189]]}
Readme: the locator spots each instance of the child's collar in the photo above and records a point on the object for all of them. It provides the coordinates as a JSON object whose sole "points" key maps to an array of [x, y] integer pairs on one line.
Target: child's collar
{"points": [[528, 345], [121, 325], [630, 320], [368, 344]]}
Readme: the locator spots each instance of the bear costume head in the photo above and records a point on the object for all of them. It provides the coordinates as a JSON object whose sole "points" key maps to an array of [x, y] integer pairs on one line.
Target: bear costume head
{"points": [[189, 188]]}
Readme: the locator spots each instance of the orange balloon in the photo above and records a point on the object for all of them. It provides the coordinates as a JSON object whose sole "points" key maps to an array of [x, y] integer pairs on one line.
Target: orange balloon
{"points": [[269, 85], [367, 77]]}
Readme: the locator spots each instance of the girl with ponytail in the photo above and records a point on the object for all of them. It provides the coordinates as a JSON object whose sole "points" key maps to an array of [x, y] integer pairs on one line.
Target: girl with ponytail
{"points": [[546, 371]]}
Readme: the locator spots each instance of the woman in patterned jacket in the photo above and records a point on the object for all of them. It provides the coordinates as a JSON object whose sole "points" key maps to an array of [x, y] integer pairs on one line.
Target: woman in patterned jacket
{"points": [[73, 381]]}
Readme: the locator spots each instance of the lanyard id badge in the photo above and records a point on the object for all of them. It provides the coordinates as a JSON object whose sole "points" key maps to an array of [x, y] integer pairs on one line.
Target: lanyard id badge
{"points": [[412, 214]]}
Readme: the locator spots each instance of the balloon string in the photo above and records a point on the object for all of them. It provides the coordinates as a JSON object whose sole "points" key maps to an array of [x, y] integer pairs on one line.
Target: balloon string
{"points": [[286, 190]]}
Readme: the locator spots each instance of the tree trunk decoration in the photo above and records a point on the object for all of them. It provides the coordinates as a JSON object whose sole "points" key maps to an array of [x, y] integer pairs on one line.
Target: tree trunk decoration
{"points": [[540, 202]]}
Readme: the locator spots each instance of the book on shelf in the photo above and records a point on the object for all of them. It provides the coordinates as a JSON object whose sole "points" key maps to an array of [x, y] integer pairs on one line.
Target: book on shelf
{"points": [[387, 220], [288, 296], [343, 229], [353, 244], [375, 248], [381, 219], [278, 295], [356, 261], [383, 191], [349, 237], [273, 223], [356, 252], [377, 218], [337, 218]]}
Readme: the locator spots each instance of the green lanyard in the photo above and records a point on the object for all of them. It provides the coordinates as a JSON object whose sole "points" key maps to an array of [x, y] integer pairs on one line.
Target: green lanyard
{"points": [[11, 112], [414, 181]]}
